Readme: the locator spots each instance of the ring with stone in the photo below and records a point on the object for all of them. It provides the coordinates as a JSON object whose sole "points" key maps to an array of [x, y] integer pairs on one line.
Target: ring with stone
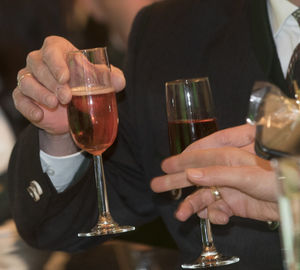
{"points": [[216, 193]]}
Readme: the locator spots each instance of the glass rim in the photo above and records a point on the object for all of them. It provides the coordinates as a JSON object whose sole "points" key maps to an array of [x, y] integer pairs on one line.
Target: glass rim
{"points": [[188, 80], [88, 50]]}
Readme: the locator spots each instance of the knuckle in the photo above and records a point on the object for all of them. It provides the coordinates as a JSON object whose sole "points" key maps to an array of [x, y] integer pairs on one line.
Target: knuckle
{"points": [[24, 105], [229, 156], [31, 114], [248, 133], [196, 200], [189, 200], [49, 45], [249, 138], [31, 56], [48, 41], [28, 110], [41, 72], [224, 137], [20, 105], [47, 53]]}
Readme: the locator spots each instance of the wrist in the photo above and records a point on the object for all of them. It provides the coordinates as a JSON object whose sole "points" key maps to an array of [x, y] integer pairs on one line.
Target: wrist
{"points": [[57, 145]]}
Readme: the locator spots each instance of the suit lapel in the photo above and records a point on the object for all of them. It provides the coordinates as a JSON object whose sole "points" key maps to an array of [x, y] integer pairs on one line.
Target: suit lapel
{"points": [[263, 43]]}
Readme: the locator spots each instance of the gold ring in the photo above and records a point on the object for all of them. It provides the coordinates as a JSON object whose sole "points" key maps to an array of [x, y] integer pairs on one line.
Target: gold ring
{"points": [[216, 193], [21, 78]]}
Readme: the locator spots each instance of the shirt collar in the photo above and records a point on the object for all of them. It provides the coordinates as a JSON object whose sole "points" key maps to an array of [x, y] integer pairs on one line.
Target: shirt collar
{"points": [[279, 11]]}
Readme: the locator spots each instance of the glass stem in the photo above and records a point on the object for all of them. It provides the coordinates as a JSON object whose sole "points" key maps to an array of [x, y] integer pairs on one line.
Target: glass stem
{"points": [[207, 238], [101, 186]]}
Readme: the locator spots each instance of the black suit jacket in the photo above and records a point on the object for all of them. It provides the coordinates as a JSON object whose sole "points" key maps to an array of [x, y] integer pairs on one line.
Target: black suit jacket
{"points": [[170, 40]]}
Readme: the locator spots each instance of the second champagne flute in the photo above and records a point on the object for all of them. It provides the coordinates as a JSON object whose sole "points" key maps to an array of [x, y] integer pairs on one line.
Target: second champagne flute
{"points": [[93, 120], [191, 116]]}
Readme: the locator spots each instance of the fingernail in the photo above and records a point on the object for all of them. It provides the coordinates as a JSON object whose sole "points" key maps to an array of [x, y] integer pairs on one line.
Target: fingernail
{"points": [[35, 115], [51, 101], [221, 219], [195, 173], [203, 214], [180, 215], [63, 94], [119, 83]]}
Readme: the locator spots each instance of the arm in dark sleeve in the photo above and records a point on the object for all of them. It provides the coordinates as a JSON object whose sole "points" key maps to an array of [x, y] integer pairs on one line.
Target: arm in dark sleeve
{"points": [[54, 221]]}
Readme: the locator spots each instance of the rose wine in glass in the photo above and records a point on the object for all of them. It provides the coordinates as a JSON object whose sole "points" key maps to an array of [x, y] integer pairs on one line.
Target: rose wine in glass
{"points": [[184, 132], [93, 121], [191, 116]]}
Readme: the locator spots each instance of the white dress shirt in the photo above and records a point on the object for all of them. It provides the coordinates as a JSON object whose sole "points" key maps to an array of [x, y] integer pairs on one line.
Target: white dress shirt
{"points": [[286, 34], [285, 28], [61, 170]]}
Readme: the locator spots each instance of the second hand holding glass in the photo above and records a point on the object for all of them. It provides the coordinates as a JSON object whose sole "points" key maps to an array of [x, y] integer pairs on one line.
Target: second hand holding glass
{"points": [[93, 121], [191, 116]]}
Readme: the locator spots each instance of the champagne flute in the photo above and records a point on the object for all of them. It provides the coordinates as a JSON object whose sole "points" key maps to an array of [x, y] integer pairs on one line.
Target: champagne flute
{"points": [[191, 116], [93, 121]]}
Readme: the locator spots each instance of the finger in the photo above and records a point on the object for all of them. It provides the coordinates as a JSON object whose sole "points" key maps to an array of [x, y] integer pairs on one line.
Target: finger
{"points": [[55, 125], [194, 203], [242, 206], [43, 75], [226, 156], [117, 78], [203, 213], [32, 89], [251, 180], [27, 107], [54, 54], [219, 213], [198, 202], [170, 182], [36, 65], [238, 137], [249, 148], [55, 51]]}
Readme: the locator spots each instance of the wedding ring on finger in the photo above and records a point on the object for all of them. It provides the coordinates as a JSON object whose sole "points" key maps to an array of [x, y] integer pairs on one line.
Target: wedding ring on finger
{"points": [[216, 193], [19, 79]]}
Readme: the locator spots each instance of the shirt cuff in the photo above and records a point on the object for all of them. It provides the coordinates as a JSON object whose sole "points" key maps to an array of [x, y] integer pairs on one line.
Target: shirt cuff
{"points": [[61, 170]]}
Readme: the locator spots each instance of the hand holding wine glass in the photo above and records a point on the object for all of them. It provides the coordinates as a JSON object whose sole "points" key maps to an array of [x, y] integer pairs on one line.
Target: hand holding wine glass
{"points": [[191, 116], [93, 120]]}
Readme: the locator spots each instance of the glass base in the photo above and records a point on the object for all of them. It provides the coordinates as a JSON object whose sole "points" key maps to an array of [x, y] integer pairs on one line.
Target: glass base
{"points": [[211, 260], [106, 225]]}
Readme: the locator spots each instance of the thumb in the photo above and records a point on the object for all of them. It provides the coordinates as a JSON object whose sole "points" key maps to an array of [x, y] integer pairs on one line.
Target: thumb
{"points": [[117, 78]]}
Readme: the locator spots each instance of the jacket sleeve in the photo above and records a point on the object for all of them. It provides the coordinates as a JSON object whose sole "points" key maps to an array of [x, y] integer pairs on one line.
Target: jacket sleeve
{"points": [[54, 221]]}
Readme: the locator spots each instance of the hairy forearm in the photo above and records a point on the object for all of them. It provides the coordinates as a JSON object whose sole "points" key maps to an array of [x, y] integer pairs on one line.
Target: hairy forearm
{"points": [[57, 145]]}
